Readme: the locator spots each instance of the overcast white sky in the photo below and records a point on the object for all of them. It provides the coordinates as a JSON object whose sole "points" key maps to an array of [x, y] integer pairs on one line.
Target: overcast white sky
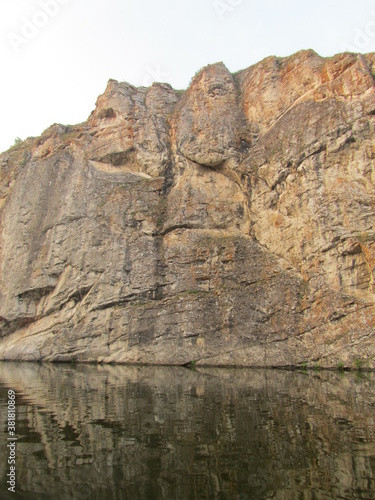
{"points": [[57, 55]]}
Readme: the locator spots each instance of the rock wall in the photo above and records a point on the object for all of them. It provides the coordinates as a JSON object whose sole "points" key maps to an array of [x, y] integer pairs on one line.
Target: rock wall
{"points": [[228, 224]]}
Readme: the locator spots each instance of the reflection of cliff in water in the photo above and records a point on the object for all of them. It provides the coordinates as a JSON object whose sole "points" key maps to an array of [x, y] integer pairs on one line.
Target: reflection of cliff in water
{"points": [[172, 433]]}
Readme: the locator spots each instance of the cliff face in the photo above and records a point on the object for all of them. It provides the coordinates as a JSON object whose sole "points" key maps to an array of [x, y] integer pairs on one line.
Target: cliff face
{"points": [[229, 224]]}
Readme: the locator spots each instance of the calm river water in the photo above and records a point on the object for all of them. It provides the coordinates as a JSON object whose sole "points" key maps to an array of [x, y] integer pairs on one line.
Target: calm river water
{"points": [[117, 432]]}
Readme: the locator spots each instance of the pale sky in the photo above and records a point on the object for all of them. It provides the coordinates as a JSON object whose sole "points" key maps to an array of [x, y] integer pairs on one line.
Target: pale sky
{"points": [[57, 55]]}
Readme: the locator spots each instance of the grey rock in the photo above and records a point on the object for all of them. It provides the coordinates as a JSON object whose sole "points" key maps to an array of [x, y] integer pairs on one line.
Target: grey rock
{"points": [[229, 224]]}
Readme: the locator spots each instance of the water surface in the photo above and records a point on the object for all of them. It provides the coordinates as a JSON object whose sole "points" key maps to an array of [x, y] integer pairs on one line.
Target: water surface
{"points": [[116, 432]]}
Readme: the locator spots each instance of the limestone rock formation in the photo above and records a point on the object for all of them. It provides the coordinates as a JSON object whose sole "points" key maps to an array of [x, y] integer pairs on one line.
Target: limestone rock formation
{"points": [[229, 224]]}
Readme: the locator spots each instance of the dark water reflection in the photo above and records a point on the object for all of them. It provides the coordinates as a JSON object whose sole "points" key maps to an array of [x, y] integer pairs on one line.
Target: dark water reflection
{"points": [[87, 432]]}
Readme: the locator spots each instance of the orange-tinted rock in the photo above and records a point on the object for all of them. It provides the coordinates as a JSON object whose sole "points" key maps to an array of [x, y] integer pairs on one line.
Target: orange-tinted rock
{"points": [[230, 224]]}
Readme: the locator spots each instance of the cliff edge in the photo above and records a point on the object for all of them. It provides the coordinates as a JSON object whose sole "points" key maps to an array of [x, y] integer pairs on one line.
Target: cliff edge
{"points": [[229, 224]]}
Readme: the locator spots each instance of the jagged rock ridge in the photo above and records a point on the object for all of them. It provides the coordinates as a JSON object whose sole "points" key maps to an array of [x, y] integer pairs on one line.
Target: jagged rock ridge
{"points": [[229, 224]]}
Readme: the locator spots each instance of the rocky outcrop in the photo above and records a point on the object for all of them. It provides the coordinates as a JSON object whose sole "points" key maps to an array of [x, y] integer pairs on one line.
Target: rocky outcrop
{"points": [[229, 224]]}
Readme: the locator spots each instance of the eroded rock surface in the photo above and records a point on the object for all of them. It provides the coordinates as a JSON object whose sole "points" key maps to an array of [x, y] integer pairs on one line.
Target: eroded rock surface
{"points": [[229, 224]]}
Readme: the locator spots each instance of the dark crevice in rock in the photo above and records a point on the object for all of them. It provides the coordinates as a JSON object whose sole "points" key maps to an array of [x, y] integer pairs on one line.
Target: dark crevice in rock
{"points": [[119, 158], [106, 113], [176, 227], [4, 320], [13, 325], [80, 294], [281, 178], [133, 299], [65, 221], [168, 178], [36, 294], [304, 156], [336, 316]]}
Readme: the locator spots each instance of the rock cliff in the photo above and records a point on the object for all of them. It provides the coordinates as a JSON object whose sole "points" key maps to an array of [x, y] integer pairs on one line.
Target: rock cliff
{"points": [[228, 224]]}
